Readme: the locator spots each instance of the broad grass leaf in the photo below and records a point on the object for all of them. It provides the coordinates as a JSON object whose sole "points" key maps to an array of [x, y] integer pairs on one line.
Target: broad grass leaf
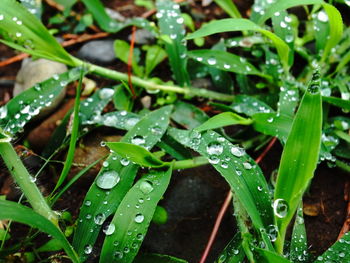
{"points": [[136, 154], [273, 124], [343, 62], [154, 55], [34, 7], [233, 252], [133, 216], [174, 148], [121, 49], [115, 179], [298, 244], [172, 31], [224, 61], [122, 98], [222, 120], [157, 258], [338, 252], [266, 256], [288, 99], [249, 105], [118, 119], [188, 115], [26, 105], [299, 158], [23, 31], [239, 170], [231, 24], [25, 215]]}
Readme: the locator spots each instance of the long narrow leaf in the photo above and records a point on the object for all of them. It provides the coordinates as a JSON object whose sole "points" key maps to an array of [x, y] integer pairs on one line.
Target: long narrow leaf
{"points": [[25, 215], [133, 217]]}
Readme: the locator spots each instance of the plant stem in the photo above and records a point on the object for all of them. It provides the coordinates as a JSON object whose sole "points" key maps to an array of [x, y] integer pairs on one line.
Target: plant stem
{"points": [[148, 84], [23, 179], [191, 163]]}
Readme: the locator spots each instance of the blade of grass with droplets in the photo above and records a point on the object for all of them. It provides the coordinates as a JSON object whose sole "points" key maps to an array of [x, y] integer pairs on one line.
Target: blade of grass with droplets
{"points": [[249, 105], [157, 258], [233, 252], [173, 33], [298, 244], [25, 215], [154, 55], [133, 217], [229, 7], [343, 62], [89, 112], [73, 136], [338, 252], [26, 33], [288, 100], [239, 170], [224, 61], [114, 180], [338, 102], [231, 24], [273, 124], [188, 115], [266, 256], [222, 120], [136, 154], [34, 7], [301, 150], [26, 105]]}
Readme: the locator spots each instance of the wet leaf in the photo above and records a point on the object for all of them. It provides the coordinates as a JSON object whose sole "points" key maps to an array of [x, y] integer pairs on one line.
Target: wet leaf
{"points": [[344, 104], [114, 180], [249, 105], [273, 124], [154, 56], [229, 7], [157, 258], [133, 217], [188, 115], [25, 215], [172, 30], [233, 252], [270, 257], [304, 137], [298, 244], [26, 105]]}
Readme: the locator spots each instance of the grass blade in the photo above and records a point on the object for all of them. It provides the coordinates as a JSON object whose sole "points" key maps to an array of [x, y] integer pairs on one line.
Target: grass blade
{"points": [[270, 257], [249, 105], [26, 105], [344, 104], [304, 138], [26, 33], [229, 7], [157, 258], [231, 24], [25, 215], [298, 245], [239, 170], [224, 61], [133, 217], [233, 252], [188, 115], [222, 120], [102, 200], [172, 30]]}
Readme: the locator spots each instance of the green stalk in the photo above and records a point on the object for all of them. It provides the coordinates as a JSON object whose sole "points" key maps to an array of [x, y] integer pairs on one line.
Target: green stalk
{"points": [[148, 84], [190, 163], [23, 179]]}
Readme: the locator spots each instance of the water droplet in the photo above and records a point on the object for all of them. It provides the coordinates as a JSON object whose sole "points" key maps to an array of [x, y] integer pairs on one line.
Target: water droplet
{"points": [[108, 180], [283, 24], [125, 161], [106, 93], [109, 229], [322, 16], [180, 20], [118, 255], [3, 112], [139, 236], [139, 218], [88, 249], [1, 17], [270, 120], [173, 36], [211, 61], [138, 140], [272, 232], [156, 130], [280, 208], [215, 148], [213, 159], [105, 164], [146, 186], [227, 66], [99, 219], [247, 166], [237, 151]]}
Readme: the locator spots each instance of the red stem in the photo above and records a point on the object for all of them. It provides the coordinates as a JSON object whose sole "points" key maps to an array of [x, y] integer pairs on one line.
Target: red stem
{"points": [[225, 205], [131, 52]]}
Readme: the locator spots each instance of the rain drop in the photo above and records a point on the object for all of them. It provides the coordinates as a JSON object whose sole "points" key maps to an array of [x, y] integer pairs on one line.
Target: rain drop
{"points": [[211, 61], [214, 148], [138, 140], [236, 151], [99, 219], [88, 249], [109, 229], [139, 218], [146, 187], [108, 180], [280, 208]]}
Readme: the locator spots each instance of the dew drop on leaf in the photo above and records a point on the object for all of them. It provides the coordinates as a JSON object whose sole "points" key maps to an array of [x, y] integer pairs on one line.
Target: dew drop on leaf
{"points": [[108, 180], [280, 208], [138, 140], [236, 151], [215, 148], [109, 229], [99, 219], [146, 187], [139, 218], [88, 249]]}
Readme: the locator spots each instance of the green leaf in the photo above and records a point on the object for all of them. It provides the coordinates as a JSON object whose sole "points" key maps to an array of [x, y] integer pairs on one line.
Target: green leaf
{"points": [[288, 99], [26, 105], [172, 30], [154, 56], [136, 154], [270, 257], [273, 124], [122, 98], [298, 244], [223, 119], [338, 252], [115, 179], [133, 217], [23, 31], [157, 258], [344, 104], [249, 105], [343, 62], [188, 115], [303, 139], [229, 7], [224, 61], [231, 24], [122, 50], [233, 252], [51, 245], [25, 215], [239, 170], [34, 7]]}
